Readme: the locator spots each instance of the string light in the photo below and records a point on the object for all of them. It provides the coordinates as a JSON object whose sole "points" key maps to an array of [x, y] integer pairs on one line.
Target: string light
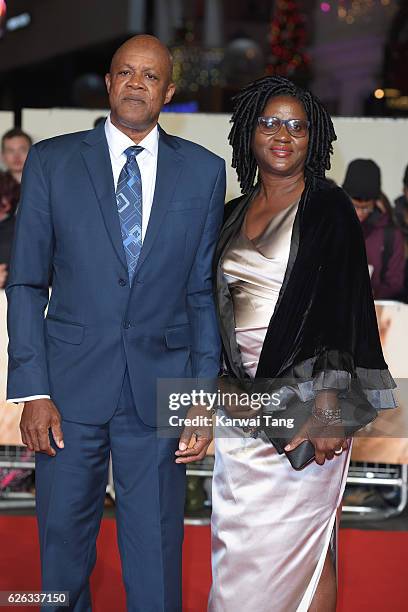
{"points": [[195, 68], [349, 11]]}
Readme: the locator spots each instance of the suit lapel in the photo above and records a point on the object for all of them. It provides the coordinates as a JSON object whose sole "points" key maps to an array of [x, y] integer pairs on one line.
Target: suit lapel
{"points": [[223, 296], [169, 164], [95, 153]]}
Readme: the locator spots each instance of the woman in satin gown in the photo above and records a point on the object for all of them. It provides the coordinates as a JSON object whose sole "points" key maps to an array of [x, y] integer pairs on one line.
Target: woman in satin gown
{"points": [[295, 303]]}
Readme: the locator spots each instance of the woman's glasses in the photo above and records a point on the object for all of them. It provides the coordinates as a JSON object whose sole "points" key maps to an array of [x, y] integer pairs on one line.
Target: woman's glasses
{"points": [[271, 125]]}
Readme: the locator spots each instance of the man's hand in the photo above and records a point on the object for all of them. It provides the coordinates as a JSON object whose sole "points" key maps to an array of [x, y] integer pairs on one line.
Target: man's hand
{"points": [[3, 275], [328, 440], [38, 417], [201, 435]]}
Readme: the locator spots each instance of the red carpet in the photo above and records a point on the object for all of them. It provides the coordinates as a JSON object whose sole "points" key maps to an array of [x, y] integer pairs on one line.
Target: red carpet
{"points": [[372, 567]]}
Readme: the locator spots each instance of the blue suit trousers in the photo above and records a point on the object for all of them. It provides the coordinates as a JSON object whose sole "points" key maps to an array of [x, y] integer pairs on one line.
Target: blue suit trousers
{"points": [[150, 493]]}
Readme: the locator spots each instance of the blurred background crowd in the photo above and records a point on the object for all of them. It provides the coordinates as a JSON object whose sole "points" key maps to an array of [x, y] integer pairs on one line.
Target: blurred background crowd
{"points": [[352, 54]]}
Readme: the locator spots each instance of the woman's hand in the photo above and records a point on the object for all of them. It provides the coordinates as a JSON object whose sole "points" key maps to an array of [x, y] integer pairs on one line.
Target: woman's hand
{"points": [[328, 440], [324, 428]]}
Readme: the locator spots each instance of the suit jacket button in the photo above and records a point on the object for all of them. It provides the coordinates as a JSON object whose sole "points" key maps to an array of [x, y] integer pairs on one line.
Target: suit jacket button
{"points": [[122, 282]]}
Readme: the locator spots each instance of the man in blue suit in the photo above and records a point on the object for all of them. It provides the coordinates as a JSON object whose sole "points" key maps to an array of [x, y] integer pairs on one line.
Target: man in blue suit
{"points": [[124, 220]]}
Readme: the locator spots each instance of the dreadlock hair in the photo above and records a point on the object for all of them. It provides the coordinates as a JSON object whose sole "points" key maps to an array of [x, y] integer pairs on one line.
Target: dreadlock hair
{"points": [[249, 105]]}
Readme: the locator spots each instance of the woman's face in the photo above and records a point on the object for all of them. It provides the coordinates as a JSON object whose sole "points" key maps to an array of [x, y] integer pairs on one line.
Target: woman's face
{"points": [[363, 208], [281, 153]]}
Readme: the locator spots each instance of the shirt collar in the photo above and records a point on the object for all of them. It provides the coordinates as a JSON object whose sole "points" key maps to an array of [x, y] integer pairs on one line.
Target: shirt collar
{"points": [[118, 142]]}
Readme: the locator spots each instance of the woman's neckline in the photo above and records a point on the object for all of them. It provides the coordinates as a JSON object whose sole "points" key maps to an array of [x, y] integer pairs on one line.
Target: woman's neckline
{"points": [[267, 226]]}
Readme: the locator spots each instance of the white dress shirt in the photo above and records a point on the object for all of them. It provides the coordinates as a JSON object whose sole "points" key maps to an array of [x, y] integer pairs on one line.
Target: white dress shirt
{"points": [[118, 142]]}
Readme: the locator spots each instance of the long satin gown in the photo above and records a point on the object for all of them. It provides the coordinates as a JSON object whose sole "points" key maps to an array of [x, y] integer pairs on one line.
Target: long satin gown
{"points": [[271, 525]]}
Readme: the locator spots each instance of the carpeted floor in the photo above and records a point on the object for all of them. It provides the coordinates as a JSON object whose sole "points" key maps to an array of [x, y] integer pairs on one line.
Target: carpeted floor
{"points": [[372, 567]]}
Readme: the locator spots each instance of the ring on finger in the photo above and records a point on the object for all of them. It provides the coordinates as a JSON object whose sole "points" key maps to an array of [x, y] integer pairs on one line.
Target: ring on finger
{"points": [[338, 451]]}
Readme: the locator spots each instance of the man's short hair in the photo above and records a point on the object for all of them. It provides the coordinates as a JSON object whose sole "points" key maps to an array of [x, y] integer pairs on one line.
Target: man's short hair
{"points": [[15, 133]]}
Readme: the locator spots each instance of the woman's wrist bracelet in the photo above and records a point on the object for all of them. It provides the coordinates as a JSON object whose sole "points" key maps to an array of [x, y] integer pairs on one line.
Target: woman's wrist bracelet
{"points": [[327, 416]]}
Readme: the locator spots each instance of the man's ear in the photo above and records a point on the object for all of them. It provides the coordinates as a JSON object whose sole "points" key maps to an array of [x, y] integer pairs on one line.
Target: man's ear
{"points": [[169, 93], [108, 82]]}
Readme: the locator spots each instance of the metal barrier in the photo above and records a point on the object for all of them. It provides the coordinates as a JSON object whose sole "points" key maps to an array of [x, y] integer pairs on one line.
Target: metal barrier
{"points": [[14, 461], [378, 475], [366, 474], [375, 462]]}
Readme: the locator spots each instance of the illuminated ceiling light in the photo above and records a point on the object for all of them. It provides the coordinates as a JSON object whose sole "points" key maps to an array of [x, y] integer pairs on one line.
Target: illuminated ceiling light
{"points": [[18, 22], [392, 93], [379, 94], [325, 7]]}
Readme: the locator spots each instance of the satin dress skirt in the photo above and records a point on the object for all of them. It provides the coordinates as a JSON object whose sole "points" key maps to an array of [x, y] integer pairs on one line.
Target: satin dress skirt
{"points": [[271, 525]]}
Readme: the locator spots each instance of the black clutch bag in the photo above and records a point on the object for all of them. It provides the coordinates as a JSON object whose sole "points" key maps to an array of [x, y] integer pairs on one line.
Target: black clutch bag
{"points": [[299, 457], [302, 455], [357, 412]]}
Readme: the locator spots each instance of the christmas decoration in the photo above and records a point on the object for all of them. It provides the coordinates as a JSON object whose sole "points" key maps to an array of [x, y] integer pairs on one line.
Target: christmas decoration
{"points": [[288, 39], [195, 67], [3, 14], [349, 11]]}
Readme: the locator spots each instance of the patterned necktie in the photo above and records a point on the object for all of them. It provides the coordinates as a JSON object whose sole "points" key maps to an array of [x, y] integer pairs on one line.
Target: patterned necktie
{"points": [[129, 201]]}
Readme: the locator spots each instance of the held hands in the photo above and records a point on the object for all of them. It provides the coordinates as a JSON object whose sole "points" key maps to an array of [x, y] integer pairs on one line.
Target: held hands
{"points": [[194, 441], [323, 429], [38, 417]]}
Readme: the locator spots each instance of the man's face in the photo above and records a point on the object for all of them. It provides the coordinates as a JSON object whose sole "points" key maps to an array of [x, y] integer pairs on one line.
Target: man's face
{"points": [[363, 208], [139, 84], [14, 153]]}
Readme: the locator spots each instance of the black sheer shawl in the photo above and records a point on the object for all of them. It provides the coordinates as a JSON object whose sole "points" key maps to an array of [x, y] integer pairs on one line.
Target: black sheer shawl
{"points": [[323, 333]]}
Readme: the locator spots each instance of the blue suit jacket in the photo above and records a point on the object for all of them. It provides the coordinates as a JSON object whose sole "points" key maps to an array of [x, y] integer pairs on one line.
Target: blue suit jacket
{"points": [[68, 230]]}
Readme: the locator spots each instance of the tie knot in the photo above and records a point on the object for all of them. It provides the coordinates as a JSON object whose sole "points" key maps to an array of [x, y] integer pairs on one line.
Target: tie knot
{"points": [[131, 152]]}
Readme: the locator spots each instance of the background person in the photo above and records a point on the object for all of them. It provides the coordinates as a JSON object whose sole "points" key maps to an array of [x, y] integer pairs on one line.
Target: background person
{"points": [[15, 145], [9, 196], [401, 217], [383, 239], [401, 205]]}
